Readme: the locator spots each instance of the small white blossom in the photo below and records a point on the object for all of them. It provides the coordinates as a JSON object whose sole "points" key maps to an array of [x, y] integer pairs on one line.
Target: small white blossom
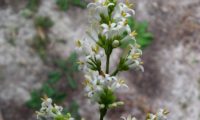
{"points": [[100, 7], [119, 83], [128, 118], [95, 83], [49, 111], [122, 12], [161, 114], [133, 58], [89, 50]]}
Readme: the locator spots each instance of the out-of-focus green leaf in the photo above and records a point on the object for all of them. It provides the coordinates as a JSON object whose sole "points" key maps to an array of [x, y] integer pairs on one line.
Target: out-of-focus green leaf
{"points": [[72, 82], [63, 4], [144, 37], [54, 77]]}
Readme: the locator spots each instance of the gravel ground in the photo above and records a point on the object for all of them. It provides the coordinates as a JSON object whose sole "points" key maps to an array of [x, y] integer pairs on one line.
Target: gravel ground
{"points": [[172, 74]]}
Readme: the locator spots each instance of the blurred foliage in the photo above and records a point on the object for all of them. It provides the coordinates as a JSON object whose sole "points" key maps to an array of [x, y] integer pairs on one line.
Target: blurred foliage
{"points": [[40, 45], [41, 41], [144, 37], [79, 3], [11, 36], [33, 5], [44, 22], [47, 89], [68, 68], [64, 70], [73, 110], [64, 4]]}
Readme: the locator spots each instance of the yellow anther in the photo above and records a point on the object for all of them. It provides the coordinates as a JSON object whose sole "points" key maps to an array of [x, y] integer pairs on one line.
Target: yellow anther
{"points": [[141, 63], [86, 82], [134, 33], [138, 46], [80, 62], [129, 5], [78, 43], [135, 56], [95, 49], [123, 14], [165, 112], [121, 81], [125, 22], [45, 97]]}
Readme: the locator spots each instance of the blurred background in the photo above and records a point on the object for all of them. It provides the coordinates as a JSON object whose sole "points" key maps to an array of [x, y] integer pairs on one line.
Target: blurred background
{"points": [[37, 57]]}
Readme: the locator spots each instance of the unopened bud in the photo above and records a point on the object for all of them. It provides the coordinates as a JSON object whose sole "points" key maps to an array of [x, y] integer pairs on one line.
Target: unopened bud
{"points": [[115, 43], [102, 106], [113, 105], [120, 103]]}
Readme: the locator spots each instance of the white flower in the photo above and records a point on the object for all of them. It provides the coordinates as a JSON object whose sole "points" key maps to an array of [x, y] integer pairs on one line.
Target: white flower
{"points": [[89, 50], [108, 28], [49, 111], [119, 83], [96, 83], [122, 26], [161, 114], [128, 118], [122, 11], [115, 29], [97, 8], [133, 59], [123, 7]]}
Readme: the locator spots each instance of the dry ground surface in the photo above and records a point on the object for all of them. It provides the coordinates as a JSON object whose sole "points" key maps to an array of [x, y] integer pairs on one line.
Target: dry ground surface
{"points": [[172, 62]]}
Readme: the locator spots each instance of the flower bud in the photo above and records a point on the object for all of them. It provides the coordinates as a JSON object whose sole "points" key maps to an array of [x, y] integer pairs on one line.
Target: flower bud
{"points": [[102, 106], [113, 105], [115, 43], [120, 103]]}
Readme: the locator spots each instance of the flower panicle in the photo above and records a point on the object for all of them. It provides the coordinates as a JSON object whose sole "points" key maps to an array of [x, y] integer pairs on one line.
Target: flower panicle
{"points": [[109, 30], [52, 111]]}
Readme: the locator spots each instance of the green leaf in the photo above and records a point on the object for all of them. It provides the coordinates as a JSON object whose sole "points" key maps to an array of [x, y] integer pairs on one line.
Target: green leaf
{"points": [[35, 100], [144, 37], [73, 109], [44, 22], [63, 4], [59, 97], [72, 82], [49, 91], [79, 3], [33, 5], [72, 60], [62, 64], [54, 77]]}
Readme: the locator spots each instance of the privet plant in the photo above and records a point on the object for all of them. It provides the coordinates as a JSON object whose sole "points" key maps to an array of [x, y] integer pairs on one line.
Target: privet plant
{"points": [[109, 30]]}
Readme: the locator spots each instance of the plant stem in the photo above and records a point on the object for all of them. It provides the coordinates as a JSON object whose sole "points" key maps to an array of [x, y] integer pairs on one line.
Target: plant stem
{"points": [[107, 63], [103, 113], [115, 72]]}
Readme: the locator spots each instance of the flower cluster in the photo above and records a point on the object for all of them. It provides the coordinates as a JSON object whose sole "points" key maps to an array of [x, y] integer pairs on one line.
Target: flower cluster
{"points": [[96, 83], [160, 115], [109, 30], [51, 112]]}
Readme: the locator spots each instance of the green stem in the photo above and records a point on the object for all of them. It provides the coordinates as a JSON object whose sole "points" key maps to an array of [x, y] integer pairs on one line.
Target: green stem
{"points": [[103, 113], [115, 72], [107, 63]]}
